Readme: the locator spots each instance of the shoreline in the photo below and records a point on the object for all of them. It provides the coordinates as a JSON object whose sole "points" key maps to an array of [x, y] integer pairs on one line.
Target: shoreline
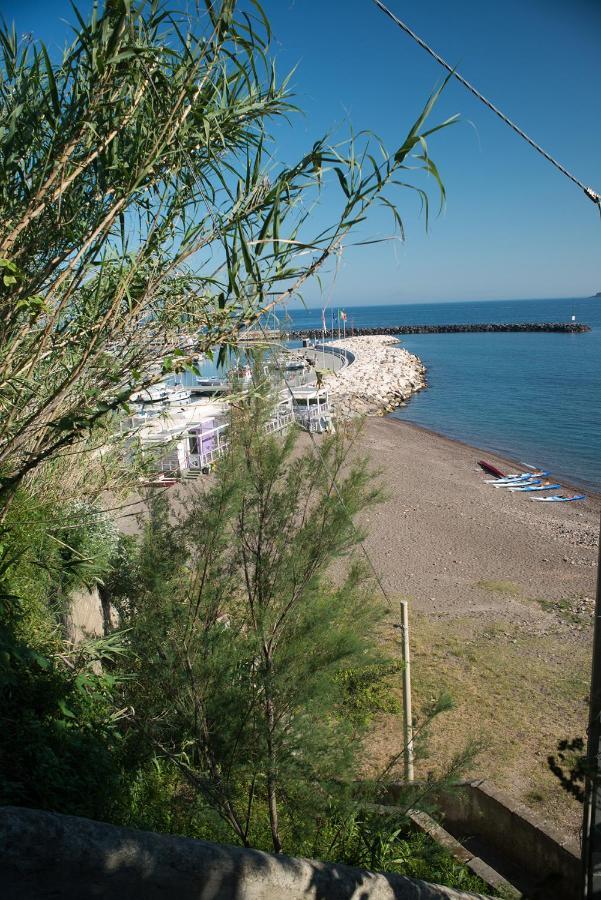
{"points": [[382, 378], [593, 492]]}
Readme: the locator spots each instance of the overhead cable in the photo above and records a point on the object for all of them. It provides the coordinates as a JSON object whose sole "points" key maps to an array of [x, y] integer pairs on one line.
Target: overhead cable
{"points": [[590, 193]]}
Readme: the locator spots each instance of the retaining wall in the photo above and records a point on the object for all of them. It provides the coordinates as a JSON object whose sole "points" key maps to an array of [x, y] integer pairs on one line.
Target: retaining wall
{"points": [[551, 860], [47, 855]]}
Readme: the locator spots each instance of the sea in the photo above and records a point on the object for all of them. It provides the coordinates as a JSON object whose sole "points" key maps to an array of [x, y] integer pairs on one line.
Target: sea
{"points": [[534, 397]]}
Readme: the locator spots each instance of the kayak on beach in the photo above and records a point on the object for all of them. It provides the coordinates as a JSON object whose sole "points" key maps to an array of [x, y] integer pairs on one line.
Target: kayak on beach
{"points": [[490, 469], [527, 482], [559, 498], [536, 487], [520, 482], [522, 476]]}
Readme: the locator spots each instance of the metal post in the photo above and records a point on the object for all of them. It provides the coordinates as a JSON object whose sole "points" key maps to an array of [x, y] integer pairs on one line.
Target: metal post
{"points": [[591, 826], [408, 718]]}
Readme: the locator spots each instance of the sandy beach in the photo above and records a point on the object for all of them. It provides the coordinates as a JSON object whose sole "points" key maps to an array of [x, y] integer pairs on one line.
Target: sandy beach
{"points": [[501, 601]]}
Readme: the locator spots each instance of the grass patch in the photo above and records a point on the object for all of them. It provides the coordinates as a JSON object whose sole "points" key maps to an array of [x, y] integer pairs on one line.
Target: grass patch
{"points": [[564, 610], [515, 692], [499, 587]]}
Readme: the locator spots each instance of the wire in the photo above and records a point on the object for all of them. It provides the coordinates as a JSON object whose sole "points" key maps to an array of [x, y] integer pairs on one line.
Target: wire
{"points": [[590, 193]]}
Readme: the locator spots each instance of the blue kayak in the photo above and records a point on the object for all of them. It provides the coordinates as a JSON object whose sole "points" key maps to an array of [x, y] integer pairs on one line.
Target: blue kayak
{"points": [[522, 476], [522, 482], [559, 498], [536, 487]]}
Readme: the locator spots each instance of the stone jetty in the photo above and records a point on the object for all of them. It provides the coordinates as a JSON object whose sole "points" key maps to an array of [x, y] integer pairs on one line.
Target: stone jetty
{"points": [[381, 376], [560, 327]]}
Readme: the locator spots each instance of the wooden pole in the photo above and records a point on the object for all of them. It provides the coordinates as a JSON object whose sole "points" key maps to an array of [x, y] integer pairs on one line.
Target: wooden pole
{"points": [[407, 715]]}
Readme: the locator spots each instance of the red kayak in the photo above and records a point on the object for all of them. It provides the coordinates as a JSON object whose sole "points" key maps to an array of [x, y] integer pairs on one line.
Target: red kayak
{"points": [[492, 470]]}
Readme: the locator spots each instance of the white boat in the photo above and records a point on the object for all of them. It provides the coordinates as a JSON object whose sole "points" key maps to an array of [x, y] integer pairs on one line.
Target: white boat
{"points": [[155, 394], [519, 482], [545, 486], [522, 476], [161, 393], [177, 394]]}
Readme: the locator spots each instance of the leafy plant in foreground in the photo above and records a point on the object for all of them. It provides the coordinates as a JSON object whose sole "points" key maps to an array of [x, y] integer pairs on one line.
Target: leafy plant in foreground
{"points": [[256, 674], [138, 203]]}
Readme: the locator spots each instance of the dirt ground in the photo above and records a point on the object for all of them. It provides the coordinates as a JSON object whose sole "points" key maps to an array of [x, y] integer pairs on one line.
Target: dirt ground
{"points": [[501, 609]]}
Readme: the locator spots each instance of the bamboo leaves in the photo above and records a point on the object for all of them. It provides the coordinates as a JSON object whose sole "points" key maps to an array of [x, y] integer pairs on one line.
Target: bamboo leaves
{"points": [[137, 200]]}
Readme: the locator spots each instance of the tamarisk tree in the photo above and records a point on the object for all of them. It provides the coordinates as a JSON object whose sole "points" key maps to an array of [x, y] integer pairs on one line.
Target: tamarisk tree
{"points": [[137, 200], [242, 640]]}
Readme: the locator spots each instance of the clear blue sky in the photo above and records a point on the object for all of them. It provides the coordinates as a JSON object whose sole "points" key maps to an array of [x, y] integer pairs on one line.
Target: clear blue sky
{"points": [[513, 227]]}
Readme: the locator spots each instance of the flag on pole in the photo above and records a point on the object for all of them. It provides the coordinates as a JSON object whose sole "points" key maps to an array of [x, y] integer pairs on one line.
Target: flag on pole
{"points": [[323, 319], [343, 315]]}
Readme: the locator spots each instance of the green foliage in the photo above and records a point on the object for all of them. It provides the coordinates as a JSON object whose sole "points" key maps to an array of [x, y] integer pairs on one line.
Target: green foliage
{"points": [[254, 676], [161, 800], [59, 740], [88, 541], [135, 202], [368, 690], [49, 550], [246, 680], [389, 843], [241, 640], [138, 197]]}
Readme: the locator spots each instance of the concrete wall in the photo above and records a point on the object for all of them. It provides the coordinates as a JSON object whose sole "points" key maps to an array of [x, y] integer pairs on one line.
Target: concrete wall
{"points": [[90, 615], [551, 860], [85, 617], [346, 357], [46, 855]]}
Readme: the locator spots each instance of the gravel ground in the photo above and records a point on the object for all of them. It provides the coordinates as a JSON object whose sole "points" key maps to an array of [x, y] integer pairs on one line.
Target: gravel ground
{"points": [[443, 530]]}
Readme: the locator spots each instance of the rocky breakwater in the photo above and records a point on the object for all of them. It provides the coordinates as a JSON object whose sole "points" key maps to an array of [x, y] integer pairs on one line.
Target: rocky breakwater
{"points": [[381, 376], [557, 327]]}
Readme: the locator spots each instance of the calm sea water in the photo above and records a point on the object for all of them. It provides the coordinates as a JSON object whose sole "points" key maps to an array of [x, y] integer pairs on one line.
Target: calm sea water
{"points": [[534, 397]]}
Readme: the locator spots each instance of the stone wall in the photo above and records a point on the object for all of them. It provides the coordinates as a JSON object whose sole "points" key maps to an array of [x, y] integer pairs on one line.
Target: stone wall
{"points": [[551, 860], [46, 855]]}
